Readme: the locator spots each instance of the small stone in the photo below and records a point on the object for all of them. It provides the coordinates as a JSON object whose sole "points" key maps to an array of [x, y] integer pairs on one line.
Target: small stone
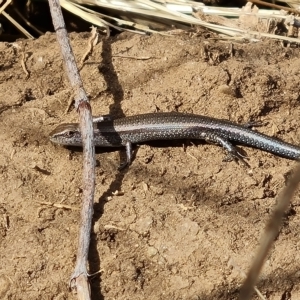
{"points": [[151, 251]]}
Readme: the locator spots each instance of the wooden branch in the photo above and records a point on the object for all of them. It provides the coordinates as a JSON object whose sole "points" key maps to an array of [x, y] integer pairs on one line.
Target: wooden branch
{"points": [[79, 278], [271, 231]]}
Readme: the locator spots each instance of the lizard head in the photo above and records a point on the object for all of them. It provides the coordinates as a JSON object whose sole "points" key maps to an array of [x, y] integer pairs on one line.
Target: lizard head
{"points": [[66, 134]]}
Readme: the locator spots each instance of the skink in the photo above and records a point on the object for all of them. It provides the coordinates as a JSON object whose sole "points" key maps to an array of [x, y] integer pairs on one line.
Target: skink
{"points": [[170, 126]]}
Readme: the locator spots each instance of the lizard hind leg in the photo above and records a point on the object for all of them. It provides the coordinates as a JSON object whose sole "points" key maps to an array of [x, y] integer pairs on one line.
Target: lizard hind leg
{"points": [[128, 161], [232, 151]]}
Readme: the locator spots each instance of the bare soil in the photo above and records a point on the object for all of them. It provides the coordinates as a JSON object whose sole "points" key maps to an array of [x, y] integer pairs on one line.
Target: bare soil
{"points": [[185, 224]]}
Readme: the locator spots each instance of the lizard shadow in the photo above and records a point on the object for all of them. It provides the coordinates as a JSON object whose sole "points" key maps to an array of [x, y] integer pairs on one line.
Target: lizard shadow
{"points": [[154, 144]]}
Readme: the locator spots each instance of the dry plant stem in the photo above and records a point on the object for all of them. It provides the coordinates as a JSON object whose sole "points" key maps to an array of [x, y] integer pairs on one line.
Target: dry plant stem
{"points": [[17, 25], [79, 278], [271, 231], [4, 5], [272, 5], [27, 22], [13, 21], [133, 57], [93, 40], [23, 62]]}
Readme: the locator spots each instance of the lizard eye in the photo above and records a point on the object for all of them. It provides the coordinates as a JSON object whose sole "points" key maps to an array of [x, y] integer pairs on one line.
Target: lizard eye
{"points": [[70, 133]]}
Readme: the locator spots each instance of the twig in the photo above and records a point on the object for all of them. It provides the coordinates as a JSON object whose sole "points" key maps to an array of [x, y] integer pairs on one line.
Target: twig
{"points": [[79, 278], [70, 103], [23, 61], [92, 42], [272, 5], [13, 21], [7, 107], [134, 57], [243, 274], [271, 231], [3, 7], [27, 22], [57, 205], [17, 25]]}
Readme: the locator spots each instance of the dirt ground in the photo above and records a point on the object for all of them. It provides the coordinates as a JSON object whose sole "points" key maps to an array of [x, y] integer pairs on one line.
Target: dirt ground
{"points": [[185, 223]]}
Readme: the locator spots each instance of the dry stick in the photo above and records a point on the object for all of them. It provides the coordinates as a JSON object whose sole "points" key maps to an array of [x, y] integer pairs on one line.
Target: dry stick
{"points": [[20, 15], [134, 57], [79, 278], [4, 5], [23, 61], [13, 21], [93, 40], [243, 274], [272, 5], [271, 231], [17, 25]]}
